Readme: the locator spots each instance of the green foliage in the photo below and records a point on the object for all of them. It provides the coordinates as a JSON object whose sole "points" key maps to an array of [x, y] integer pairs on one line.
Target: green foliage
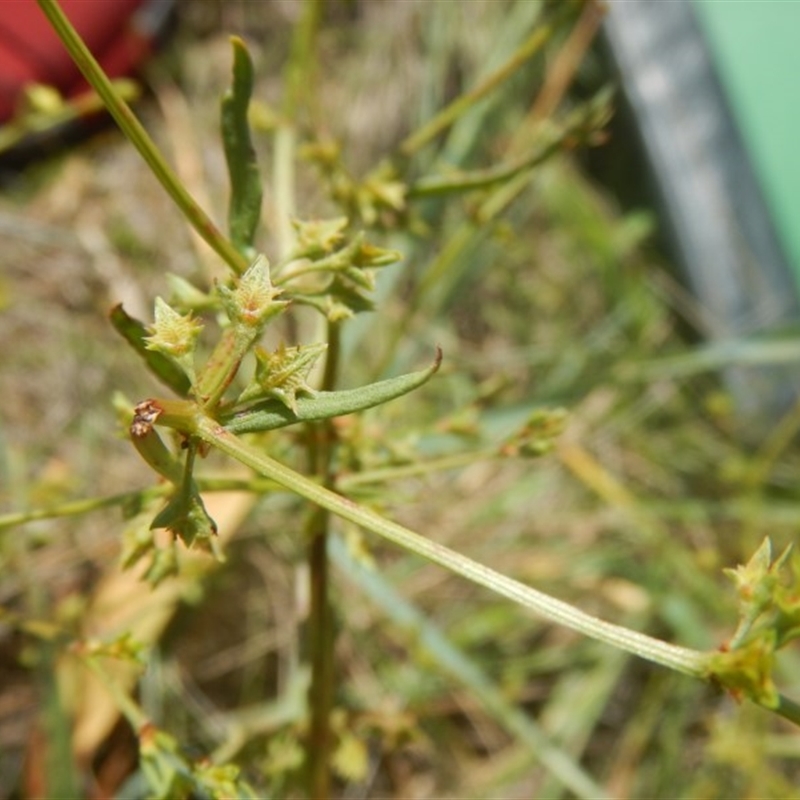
{"points": [[171, 776], [255, 381], [769, 620], [244, 211]]}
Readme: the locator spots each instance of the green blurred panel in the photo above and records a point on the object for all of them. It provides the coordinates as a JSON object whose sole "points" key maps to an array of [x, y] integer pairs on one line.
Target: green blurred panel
{"points": [[755, 47]]}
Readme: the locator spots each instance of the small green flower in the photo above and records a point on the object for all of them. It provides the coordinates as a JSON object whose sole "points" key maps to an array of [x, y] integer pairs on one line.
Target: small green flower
{"points": [[252, 302], [537, 437], [283, 373], [757, 580], [319, 237], [173, 334], [747, 670]]}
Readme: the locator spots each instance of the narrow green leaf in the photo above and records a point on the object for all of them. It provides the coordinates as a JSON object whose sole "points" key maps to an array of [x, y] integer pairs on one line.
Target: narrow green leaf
{"points": [[185, 514], [323, 405], [136, 333], [244, 209]]}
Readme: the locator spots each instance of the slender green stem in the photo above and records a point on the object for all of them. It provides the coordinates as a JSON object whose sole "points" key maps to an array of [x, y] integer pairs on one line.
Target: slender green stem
{"points": [[422, 467], [132, 713], [321, 647], [133, 129], [60, 770], [301, 63], [76, 507], [448, 115], [332, 357], [321, 630], [13, 132], [205, 484], [283, 180], [690, 662], [788, 709], [221, 367], [484, 178], [298, 83]]}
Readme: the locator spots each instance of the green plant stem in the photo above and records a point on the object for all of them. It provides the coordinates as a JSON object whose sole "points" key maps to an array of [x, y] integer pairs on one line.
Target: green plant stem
{"points": [[298, 83], [321, 631], [33, 122], [222, 366], [60, 770], [127, 707], [77, 507], [283, 180], [300, 66], [416, 469], [321, 647], [788, 709], [550, 138], [481, 178], [685, 660], [136, 133]]}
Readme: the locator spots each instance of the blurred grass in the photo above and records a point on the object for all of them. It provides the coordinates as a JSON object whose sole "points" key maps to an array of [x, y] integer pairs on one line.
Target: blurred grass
{"points": [[558, 301]]}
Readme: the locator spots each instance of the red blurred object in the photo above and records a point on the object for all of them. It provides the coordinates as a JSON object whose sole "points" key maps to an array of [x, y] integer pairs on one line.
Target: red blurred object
{"points": [[120, 34]]}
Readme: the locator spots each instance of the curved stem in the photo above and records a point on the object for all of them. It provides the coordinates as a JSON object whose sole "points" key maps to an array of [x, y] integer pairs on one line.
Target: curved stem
{"points": [[687, 661]]}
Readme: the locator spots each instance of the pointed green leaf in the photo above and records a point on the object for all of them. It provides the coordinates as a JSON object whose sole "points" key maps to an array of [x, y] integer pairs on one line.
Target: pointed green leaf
{"points": [[323, 405]]}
